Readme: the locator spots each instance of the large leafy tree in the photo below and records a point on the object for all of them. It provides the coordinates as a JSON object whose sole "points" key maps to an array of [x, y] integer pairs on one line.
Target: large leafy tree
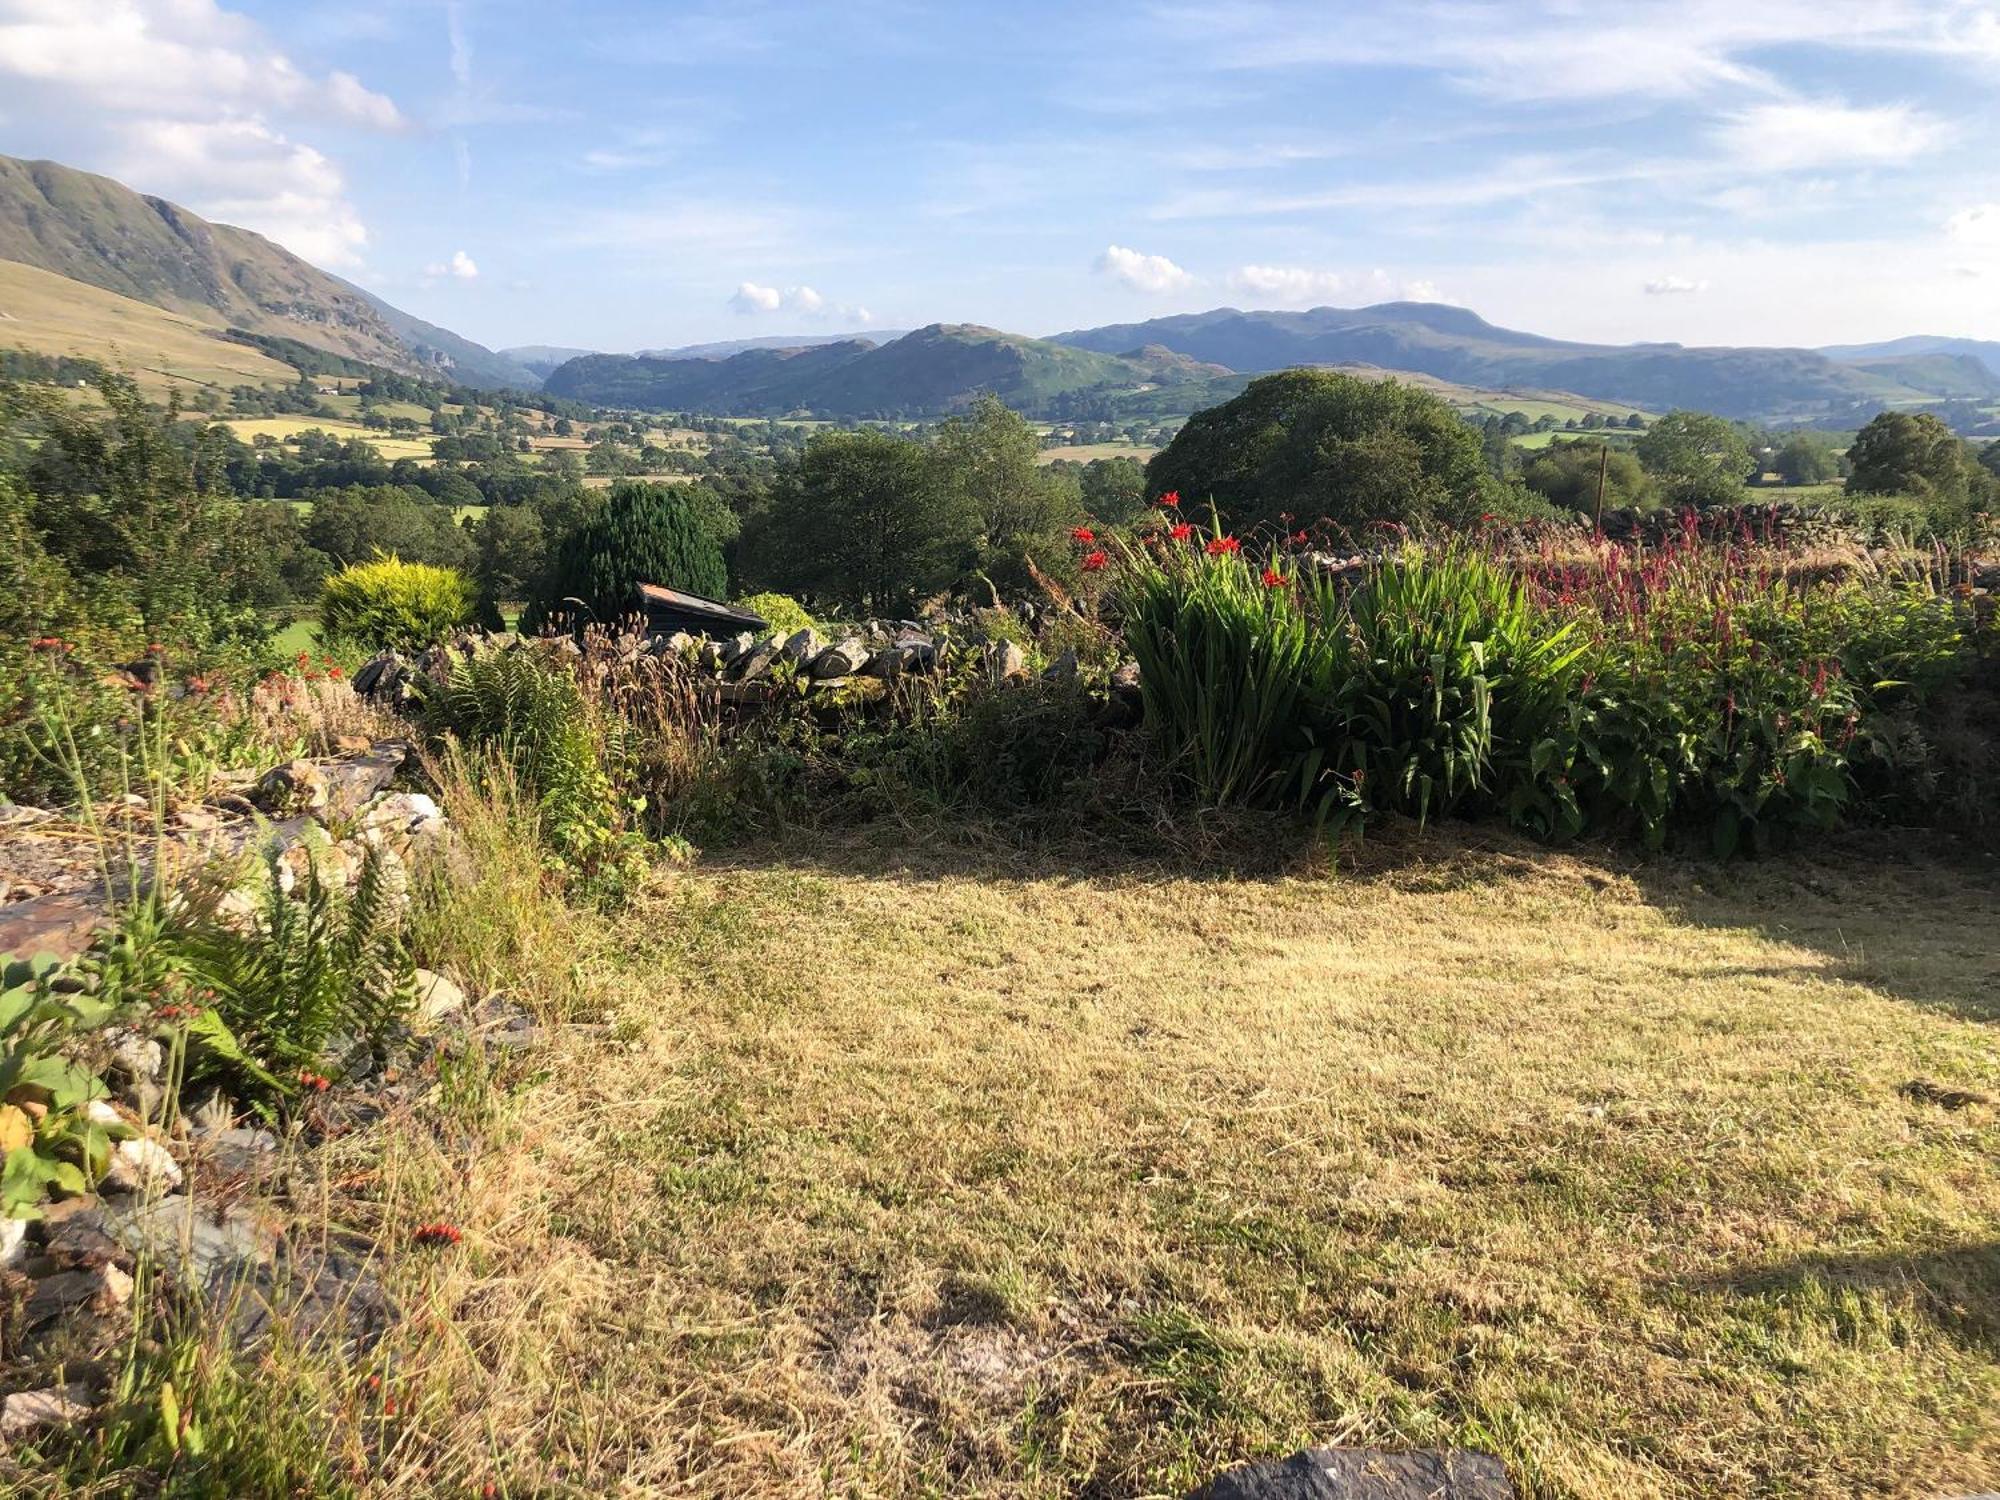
{"points": [[1317, 443], [1697, 458], [1909, 453], [862, 521], [1805, 461], [987, 467], [646, 533], [1566, 474]]}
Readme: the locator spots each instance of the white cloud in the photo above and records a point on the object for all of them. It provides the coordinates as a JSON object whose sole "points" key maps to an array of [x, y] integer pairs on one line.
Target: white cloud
{"points": [[243, 172], [1979, 225], [1794, 136], [179, 59], [1143, 273], [1538, 51], [461, 267], [1288, 285], [751, 298], [191, 102], [1675, 286]]}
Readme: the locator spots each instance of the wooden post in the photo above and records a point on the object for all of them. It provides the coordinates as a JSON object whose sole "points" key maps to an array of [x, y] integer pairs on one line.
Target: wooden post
{"points": [[1603, 470]]}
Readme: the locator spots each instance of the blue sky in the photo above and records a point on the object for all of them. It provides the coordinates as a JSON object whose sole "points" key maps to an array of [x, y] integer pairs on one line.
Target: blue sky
{"points": [[620, 175]]}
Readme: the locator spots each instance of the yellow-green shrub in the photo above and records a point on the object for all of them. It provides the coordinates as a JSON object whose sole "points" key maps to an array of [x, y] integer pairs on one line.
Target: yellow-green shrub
{"points": [[781, 612], [392, 605]]}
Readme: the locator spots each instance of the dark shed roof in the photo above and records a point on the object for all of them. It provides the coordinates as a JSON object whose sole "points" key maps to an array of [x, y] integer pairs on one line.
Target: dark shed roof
{"points": [[669, 610]]}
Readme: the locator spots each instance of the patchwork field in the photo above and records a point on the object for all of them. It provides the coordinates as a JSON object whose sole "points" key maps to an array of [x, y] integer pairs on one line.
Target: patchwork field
{"points": [[872, 1170], [283, 429]]}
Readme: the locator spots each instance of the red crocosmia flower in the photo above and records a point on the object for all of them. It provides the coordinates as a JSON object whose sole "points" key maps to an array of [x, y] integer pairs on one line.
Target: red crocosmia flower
{"points": [[1082, 534], [1224, 544], [439, 1233], [319, 1083], [1095, 562], [154, 648], [1485, 515], [1273, 579], [335, 673], [1181, 532], [1299, 539], [1171, 499]]}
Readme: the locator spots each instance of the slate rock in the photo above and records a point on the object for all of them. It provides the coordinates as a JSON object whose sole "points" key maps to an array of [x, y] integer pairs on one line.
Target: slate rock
{"points": [[27, 1412], [324, 1298], [842, 660], [298, 786], [1365, 1474]]}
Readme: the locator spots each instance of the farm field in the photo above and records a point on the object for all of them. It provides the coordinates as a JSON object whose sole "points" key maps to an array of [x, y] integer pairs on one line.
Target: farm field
{"points": [[1083, 453], [49, 314], [1079, 1175], [606, 481], [285, 428]]}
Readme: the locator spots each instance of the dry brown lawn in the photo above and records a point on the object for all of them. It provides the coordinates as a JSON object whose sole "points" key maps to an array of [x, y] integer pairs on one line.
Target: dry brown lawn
{"points": [[881, 1172]]}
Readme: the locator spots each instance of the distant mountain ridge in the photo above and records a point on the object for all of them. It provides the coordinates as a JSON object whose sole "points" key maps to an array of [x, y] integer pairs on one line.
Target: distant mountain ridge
{"points": [[1985, 351], [94, 230], [929, 372], [1455, 344]]}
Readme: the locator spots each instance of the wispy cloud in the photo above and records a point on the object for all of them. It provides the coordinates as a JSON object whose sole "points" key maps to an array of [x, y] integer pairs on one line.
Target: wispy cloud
{"points": [[1817, 134], [1675, 286]]}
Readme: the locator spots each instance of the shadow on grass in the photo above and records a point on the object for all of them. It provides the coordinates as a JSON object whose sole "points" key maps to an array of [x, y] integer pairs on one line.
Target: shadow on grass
{"points": [[1908, 915], [1956, 1290]]}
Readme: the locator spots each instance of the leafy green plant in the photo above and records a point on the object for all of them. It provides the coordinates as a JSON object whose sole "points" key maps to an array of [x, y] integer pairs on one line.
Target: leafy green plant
{"points": [[50, 1141], [563, 746], [1227, 667], [315, 968], [392, 605]]}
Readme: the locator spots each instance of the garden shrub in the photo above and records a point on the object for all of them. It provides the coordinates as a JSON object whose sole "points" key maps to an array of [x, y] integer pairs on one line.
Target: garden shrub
{"points": [[781, 612], [392, 605]]}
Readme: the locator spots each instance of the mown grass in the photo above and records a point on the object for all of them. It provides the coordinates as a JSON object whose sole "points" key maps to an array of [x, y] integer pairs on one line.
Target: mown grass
{"points": [[879, 1170]]}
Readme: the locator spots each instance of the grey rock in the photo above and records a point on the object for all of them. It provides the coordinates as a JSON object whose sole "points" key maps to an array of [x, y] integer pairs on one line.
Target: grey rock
{"points": [[135, 1056], [351, 782], [13, 1243], [1006, 661], [1125, 678], [298, 786], [800, 646], [888, 662], [319, 1297], [437, 997], [754, 663], [140, 1165], [14, 815], [191, 1241], [1063, 669], [1365, 1474], [27, 1412], [100, 1288], [842, 660]]}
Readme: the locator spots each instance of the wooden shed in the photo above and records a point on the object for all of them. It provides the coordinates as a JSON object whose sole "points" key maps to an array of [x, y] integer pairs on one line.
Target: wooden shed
{"points": [[668, 610]]}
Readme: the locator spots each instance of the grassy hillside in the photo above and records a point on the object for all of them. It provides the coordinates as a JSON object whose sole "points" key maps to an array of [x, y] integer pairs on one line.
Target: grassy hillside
{"points": [[97, 231], [49, 314], [931, 371]]}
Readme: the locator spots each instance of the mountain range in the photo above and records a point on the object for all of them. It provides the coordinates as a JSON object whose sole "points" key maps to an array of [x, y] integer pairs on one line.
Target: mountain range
{"points": [[198, 280]]}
